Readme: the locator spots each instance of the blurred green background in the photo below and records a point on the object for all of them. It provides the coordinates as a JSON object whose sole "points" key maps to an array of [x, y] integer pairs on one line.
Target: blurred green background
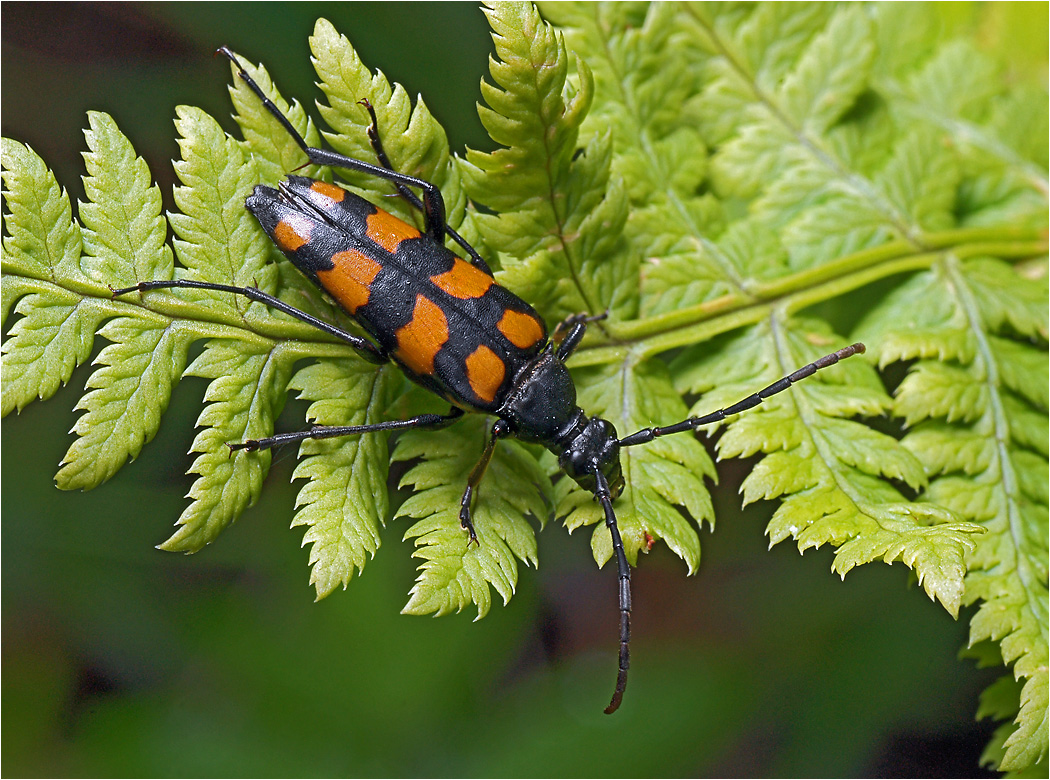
{"points": [[119, 659]]}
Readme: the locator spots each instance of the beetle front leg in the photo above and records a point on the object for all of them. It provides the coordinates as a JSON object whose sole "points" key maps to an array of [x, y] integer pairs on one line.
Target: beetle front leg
{"points": [[499, 430]]}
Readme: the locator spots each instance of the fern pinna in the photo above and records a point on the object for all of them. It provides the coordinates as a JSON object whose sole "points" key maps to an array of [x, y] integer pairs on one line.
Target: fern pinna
{"points": [[740, 187]]}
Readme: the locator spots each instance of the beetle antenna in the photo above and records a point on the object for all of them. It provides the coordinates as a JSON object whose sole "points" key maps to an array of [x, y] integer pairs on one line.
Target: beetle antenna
{"points": [[753, 400], [624, 573]]}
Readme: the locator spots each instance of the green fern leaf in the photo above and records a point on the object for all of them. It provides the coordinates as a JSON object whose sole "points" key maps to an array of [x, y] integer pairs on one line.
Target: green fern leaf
{"points": [[242, 403], [829, 470], [126, 398], [559, 219], [644, 73], [660, 477], [124, 231], [272, 149], [988, 397], [454, 575], [42, 240], [345, 502], [124, 234], [217, 239], [54, 335], [42, 248]]}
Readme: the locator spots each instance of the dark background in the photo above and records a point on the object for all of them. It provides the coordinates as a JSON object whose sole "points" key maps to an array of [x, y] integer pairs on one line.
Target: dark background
{"points": [[119, 659]]}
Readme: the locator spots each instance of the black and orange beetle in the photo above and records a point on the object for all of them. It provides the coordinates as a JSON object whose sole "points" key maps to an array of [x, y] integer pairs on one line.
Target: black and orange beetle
{"points": [[451, 328]]}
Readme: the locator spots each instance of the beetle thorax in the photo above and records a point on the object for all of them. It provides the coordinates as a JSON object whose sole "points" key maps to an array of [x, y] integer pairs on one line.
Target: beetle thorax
{"points": [[592, 446], [542, 408]]}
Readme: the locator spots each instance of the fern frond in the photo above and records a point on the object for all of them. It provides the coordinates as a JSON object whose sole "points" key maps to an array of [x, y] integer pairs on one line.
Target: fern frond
{"points": [[42, 249], [977, 419], [645, 74], [829, 151], [344, 504], [741, 183], [834, 475], [559, 217]]}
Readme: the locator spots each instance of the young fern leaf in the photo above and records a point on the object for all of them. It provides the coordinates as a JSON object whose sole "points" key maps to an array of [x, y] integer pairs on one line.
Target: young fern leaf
{"points": [[559, 218], [275, 154], [124, 235], [344, 502], [644, 75], [42, 248]]}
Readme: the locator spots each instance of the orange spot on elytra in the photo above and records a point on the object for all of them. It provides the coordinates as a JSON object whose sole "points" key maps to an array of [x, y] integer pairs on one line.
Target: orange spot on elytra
{"points": [[485, 372], [418, 342], [521, 330], [463, 280], [349, 282], [328, 190], [289, 236], [388, 231]]}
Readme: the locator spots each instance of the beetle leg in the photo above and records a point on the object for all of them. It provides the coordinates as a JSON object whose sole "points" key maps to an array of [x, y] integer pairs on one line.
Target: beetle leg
{"points": [[571, 330], [410, 197], [499, 430], [425, 421], [648, 434], [432, 205], [365, 348]]}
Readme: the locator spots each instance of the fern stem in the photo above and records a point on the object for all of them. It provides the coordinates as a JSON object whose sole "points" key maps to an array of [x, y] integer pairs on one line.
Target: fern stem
{"points": [[651, 335]]}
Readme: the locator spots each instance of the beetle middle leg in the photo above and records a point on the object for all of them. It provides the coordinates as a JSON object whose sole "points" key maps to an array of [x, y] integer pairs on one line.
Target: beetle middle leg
{"points": [[430, 422], [407, 194]]}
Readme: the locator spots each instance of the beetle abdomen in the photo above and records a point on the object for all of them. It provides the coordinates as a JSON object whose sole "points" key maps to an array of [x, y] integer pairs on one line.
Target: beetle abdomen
{"points": [[445, 321]]}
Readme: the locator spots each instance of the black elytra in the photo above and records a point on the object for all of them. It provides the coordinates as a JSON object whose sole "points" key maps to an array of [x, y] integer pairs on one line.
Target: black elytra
{"points": [[451, 328]]}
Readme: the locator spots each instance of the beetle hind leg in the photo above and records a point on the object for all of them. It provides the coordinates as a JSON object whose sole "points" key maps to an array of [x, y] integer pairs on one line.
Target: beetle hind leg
{"points": [[365, 348]]}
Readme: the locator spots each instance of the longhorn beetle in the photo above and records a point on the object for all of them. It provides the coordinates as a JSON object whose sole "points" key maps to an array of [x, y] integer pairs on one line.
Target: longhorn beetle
{"points": [[450, 327]]}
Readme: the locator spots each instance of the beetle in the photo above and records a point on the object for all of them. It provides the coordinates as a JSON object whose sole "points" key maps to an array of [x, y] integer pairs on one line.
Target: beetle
{"points": [[447, 323]]}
